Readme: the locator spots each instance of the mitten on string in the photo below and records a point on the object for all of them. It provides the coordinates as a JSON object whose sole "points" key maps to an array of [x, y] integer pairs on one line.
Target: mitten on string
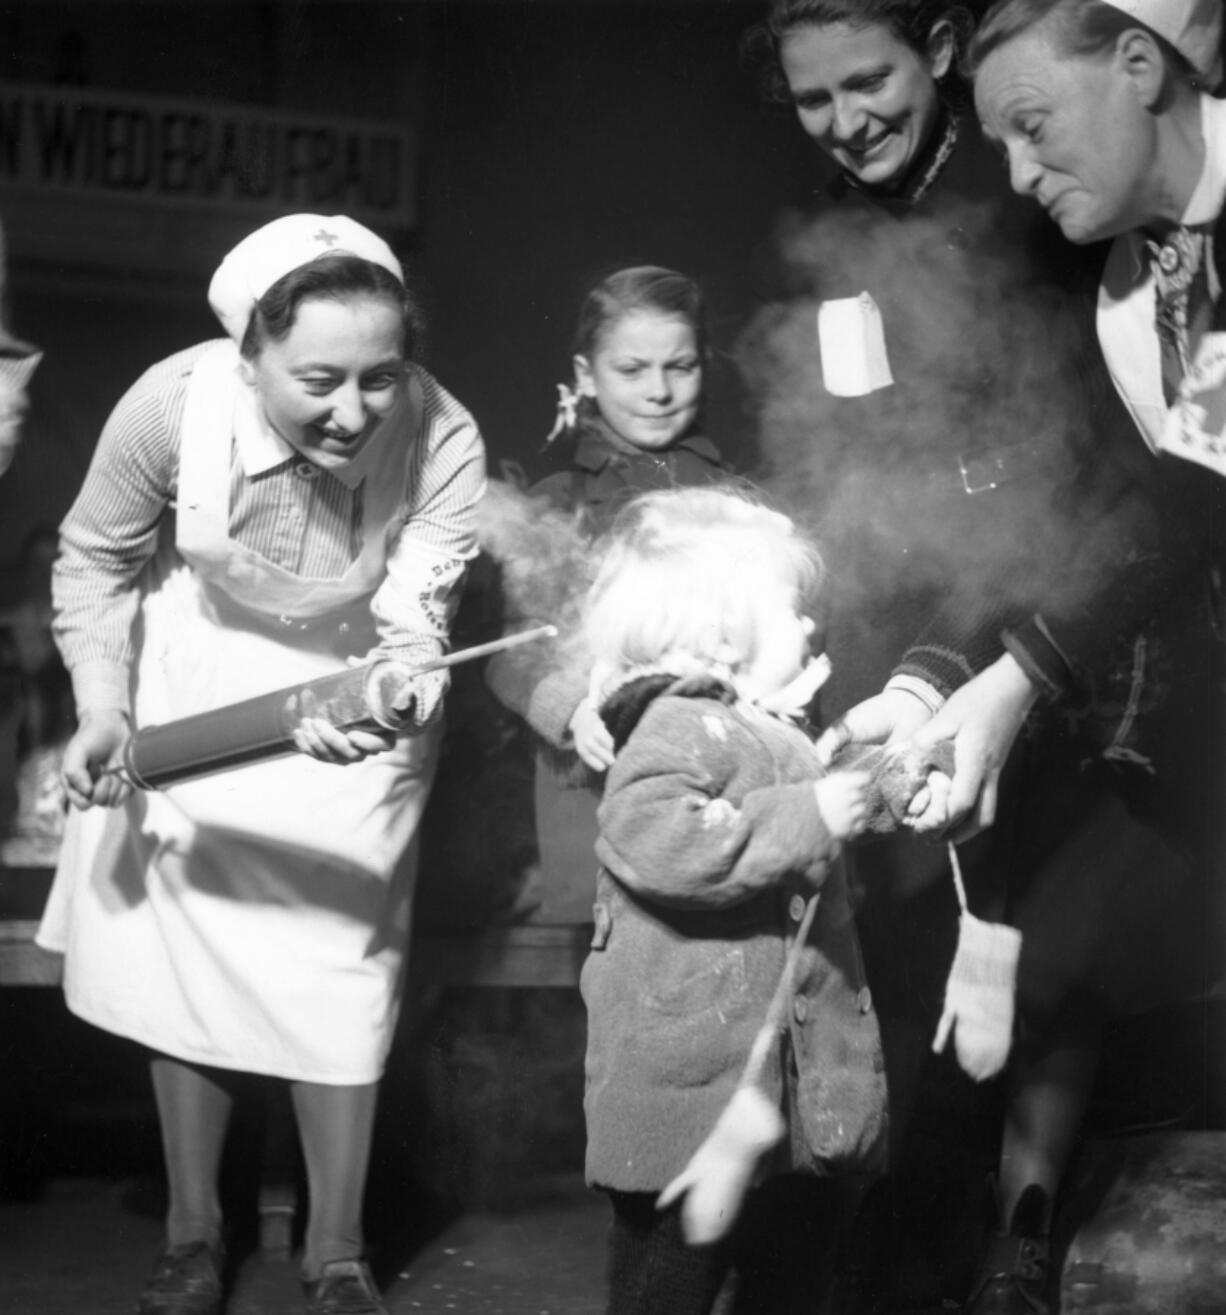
{"points": [[979, 992], [721, 1170]]}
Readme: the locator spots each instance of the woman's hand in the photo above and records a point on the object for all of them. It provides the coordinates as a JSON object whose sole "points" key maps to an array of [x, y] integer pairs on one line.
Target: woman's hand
{"points": [[842, 800], [321, 740], [886, 718], [593, 743], [97, 745], [982, 720]]}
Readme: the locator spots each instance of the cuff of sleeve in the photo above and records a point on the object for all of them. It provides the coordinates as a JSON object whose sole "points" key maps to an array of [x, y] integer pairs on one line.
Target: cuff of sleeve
{"points": [[1031, 645], [941, 669], [928, 694], [98, 685], [552, 704], [17, 370], [429, 693]]}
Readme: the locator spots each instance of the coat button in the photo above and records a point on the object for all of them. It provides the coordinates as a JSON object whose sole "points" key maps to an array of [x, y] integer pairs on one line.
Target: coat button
{"points": [[801, 1008], [796, 908], [304, 470], [864, 1000]]}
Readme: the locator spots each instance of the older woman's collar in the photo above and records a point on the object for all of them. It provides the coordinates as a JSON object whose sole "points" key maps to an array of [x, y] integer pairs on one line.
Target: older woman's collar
{"points": [[1209, 194], [1208, 197]]}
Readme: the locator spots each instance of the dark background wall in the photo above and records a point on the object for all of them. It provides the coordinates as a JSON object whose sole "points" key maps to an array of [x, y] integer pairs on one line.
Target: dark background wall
{"points": [[557, 138], [565, 138]]}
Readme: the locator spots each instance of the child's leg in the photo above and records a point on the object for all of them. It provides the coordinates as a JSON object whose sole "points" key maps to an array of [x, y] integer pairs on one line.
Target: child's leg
{"points": [[335, 1124], [194, 1105], [651, 1269], [784, 1245]]}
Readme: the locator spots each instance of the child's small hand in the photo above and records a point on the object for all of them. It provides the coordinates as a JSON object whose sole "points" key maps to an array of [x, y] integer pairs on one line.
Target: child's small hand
{"points": [[593, 743], [842, 800], [929, 809]]}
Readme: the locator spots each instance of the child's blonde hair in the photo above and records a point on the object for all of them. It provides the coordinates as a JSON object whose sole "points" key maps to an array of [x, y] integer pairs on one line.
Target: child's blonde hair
{"points": [[684, 578]]}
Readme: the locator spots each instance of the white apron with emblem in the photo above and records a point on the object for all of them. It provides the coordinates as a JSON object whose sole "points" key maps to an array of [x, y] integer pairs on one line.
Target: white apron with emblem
{"points": [[256, 919]]}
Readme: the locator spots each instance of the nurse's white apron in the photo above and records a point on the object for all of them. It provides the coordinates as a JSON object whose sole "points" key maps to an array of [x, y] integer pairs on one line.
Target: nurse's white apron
{"points": [[256, 919]]}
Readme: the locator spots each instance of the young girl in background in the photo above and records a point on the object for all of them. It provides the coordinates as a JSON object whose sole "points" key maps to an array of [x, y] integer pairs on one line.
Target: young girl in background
{"points": [[631, 424], [717, 827]]}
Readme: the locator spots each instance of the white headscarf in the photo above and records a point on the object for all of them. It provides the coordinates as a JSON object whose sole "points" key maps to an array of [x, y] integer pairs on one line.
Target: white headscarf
{"points": [[1193, 27], [271, 252]]}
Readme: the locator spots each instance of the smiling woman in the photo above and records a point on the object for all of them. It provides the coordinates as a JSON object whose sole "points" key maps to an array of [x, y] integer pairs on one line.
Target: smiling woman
{"points": [[869, 80], [259, 512], [327, 387], [866, 98]]}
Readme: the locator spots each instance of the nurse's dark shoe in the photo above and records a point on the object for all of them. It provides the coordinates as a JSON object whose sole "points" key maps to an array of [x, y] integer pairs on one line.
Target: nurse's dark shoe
{"points": [[185, 1281], [344, 1287]]}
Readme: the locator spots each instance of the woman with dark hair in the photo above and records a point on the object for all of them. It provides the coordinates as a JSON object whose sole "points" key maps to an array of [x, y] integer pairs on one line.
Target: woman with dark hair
{"points": [[956, 407], [905, 117], [259, 512]]}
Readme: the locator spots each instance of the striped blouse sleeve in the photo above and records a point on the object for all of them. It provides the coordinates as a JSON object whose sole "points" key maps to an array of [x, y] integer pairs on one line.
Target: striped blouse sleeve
{"points": [[110, 533], [414, 606]]}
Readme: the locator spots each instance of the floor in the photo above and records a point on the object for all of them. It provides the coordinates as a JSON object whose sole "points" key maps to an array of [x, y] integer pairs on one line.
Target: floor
{"points": [[83, 1248], [476, 1202]]}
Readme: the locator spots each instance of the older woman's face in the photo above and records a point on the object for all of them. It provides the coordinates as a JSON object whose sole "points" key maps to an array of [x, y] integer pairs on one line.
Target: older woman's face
{"points": [[1077, 134], [865, 97], [338, 372]]}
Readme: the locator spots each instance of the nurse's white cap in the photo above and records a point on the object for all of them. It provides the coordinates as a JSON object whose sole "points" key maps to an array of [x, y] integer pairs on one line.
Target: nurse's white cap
{"points": [[271, 252], [1193, 27]]}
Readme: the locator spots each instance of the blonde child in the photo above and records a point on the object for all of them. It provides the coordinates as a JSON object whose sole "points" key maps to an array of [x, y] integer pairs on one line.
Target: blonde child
{"points": [[716, 829]]}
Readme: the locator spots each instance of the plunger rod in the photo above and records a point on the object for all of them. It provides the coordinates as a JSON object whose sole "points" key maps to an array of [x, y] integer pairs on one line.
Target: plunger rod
{"points": [[375, 696]]}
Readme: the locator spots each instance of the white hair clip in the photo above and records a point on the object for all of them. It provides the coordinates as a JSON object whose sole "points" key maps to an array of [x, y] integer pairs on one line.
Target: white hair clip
{"points": [[568, 410]]}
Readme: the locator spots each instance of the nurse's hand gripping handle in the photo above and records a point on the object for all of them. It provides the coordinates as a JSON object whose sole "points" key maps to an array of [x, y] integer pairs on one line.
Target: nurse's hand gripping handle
{"points": [[377, 696]]}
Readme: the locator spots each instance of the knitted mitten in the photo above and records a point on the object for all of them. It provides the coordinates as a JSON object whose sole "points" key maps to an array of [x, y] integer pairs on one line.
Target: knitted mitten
{"points": [[979, 996], [720, 1171]]}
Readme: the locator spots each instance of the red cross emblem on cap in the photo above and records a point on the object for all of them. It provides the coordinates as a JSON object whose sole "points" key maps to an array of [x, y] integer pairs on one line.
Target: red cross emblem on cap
{"points": [[325, 237]]}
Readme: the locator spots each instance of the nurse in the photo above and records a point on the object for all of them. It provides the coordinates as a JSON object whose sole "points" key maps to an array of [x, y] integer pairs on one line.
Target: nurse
{"points": [[261, 510]]}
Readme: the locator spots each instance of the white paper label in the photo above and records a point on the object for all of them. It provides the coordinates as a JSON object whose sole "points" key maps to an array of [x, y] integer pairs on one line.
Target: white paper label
{"points": [[851, 337]]}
